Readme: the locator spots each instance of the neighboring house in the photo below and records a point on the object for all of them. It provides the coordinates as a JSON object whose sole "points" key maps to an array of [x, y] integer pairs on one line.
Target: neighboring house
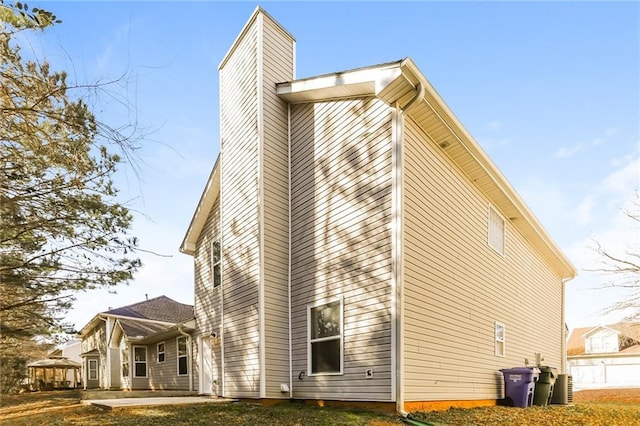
{"points": [[69, 350], [606, 356], [146, 345], [354, 243]]}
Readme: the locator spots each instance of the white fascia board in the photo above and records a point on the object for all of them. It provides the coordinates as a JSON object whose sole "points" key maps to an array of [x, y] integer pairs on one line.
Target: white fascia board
{"points": [[207, 200], [361, 82]]}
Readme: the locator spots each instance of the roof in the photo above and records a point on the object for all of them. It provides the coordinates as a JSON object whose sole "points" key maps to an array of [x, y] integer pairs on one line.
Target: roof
{"points": [[145, 331], [57, 362], [159, 308], [207, 200], [140, 329], [576, 342], [401, 84]]}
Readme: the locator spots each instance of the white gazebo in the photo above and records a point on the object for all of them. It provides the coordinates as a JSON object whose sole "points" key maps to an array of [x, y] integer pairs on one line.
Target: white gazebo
{"points": [[56, 373]]}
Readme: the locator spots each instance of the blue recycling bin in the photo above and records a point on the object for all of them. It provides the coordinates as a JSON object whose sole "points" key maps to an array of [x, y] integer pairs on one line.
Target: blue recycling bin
{"points": [[519, 385]]}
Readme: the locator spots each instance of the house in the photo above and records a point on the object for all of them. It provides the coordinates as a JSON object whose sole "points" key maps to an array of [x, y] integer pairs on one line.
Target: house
{"points": [[354, 243], [60, 370], [606, 356], [146, 345], [70, 350]]}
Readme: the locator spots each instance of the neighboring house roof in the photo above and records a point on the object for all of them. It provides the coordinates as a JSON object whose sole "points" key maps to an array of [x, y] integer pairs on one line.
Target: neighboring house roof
{"points": [[159, 308], [402, 84], [140, 329], [576, 342]]}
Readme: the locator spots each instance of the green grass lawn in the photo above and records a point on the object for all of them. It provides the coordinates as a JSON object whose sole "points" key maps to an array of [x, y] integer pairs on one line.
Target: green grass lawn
{"points": [[63, 408]]}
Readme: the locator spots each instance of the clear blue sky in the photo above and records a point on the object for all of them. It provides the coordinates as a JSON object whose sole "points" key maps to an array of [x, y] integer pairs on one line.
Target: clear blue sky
{"points": [[550, 90]]}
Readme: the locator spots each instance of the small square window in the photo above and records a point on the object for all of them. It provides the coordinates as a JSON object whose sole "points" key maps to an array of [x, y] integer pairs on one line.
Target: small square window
{"points": [[496, 231]]}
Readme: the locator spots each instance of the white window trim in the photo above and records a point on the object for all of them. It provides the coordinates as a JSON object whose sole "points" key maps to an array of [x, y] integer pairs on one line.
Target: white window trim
{"points": [[158, 352], [309, 352], [490, 228], [92, 370], [146, 363], [214, 264], [178, 356], [498, 340]]}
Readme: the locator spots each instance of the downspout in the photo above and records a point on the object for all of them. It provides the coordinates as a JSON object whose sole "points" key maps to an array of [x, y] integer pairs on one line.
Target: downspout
{"points": [[189, 355], [563, 324], [289, 235], [398, 226]]}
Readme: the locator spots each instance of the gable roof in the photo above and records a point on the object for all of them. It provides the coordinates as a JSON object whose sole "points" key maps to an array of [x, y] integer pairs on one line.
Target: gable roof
{"points": [[159, 308], [207, 200], [576, 342], [401, 84]]}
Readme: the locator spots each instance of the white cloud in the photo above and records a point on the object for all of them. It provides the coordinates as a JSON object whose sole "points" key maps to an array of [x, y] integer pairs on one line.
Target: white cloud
{"points": [[564, 152], [494, 125], [584, 210], [568, 151]]}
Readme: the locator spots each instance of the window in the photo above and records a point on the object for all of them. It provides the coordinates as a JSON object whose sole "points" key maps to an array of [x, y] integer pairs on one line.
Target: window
{"points": [[160, 352], [601, 342], [325, 345], [496, 231], [93, 369], [500, 339], [183, 353], [140, 361], [125, 361], [215, 263]]}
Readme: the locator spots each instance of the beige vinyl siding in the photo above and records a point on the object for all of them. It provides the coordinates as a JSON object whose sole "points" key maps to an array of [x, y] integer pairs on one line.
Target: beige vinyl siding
{"points": [[277, 66], [456, 286], [341, 247], [240, 229], [207, 297], [164, 376], [97, 339]]}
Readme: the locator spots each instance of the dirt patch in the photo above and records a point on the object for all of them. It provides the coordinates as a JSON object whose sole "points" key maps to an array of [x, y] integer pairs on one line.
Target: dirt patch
{"points": [[607, 395]]}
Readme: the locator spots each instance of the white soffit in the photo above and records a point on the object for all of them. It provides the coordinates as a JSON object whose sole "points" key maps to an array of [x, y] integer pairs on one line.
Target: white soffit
{"points": [[356, 83]]}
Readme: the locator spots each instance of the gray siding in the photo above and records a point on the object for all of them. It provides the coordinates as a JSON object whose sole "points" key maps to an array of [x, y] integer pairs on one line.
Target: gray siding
{"points": [[456, 286], [164, 375], [240, 219], [277, 66], [341, 214]]}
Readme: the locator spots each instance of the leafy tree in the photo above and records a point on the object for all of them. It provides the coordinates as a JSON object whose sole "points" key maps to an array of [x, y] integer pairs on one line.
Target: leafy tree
{"points": [[624, 268], [61, 229]]}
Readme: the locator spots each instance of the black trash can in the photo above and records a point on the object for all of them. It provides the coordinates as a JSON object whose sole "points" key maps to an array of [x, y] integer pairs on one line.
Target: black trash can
{"points": [[519, 385], [544, 385]]}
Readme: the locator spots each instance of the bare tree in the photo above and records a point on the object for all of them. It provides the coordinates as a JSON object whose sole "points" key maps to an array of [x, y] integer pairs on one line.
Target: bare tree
{"points": [[623, 269]]}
